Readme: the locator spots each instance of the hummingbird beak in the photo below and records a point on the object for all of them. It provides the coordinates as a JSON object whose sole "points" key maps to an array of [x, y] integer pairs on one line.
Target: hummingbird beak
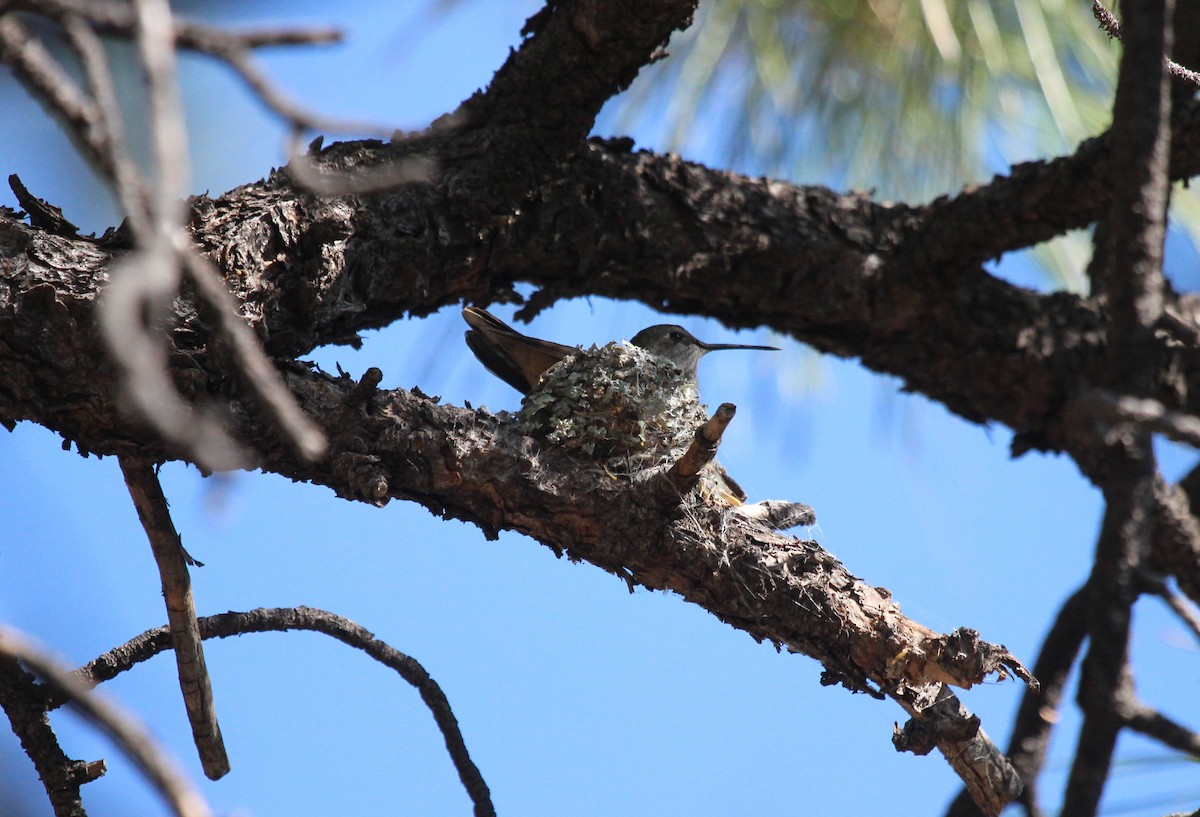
{"points": [[717, 347]]}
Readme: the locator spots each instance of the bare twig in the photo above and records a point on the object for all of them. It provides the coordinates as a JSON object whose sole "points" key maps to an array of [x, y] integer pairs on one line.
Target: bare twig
{"points": [[237, 57], [1186, 612], [111, 17], [128, 182], [252, 362], [1149, 414], [684, 474], [1154, 724], [149, 278], [42, 214], [1112, 26], [131, 737], [194, 681], [168, 132], [230, 47], [38, 71], [62, 777], [152, 642]]}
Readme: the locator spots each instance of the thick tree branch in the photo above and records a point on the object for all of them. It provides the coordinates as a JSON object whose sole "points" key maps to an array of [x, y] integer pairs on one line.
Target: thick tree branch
{"points": [[517, 199], [1133, 289], [468, 465], [839, 272], [589, 51], [820, 267]]}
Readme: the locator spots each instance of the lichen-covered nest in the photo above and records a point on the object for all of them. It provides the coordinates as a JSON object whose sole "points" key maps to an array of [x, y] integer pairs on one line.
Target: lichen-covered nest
{"points": [[617, 403]]}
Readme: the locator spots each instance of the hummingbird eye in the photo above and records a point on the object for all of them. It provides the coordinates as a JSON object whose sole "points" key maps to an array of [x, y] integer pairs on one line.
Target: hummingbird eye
{"points": [[676, 335]]}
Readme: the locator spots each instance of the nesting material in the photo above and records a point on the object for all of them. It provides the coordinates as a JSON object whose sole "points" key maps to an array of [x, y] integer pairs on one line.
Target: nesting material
{"points": [[622, 407]]}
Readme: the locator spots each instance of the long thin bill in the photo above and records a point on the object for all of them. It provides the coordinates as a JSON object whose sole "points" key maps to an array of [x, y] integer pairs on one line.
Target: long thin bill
{"points": [[716, 347]]}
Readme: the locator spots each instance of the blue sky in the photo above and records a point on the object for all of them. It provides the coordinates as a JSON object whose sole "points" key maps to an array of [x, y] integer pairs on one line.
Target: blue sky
{"points": [[573, 695]]}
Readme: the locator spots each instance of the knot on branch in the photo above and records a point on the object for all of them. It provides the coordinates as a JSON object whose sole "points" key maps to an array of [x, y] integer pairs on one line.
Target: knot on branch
{"points": [[364, 475]]}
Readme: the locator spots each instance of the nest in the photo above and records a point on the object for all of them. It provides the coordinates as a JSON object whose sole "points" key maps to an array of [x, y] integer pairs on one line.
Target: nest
{"points": [[616, 403]]}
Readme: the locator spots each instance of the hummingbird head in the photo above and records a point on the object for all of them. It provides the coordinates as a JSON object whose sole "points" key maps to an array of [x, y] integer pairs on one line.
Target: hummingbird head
{"points": [[681, 347]]}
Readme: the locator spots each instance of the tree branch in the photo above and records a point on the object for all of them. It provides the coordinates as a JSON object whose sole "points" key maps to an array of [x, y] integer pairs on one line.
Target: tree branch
{"points": [[1038, 713], [230, 47], [469, 465], [137, 744], [152, 642], [172, 562], [62, 777], [1134, 293], [1149, 415], [1154, 724], [1112, 26], [1175, 550]]}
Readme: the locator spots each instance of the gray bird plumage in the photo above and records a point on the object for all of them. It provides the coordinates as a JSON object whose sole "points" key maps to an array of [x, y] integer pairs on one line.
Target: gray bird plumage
{"points": [[520, 360]]}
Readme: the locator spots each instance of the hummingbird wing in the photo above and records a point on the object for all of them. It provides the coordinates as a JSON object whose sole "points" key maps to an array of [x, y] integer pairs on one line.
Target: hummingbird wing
{"points": [[517, 359]]}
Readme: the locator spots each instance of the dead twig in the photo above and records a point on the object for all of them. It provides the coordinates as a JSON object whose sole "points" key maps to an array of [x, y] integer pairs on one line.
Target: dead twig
{"points": [[146, 492], [1112, 27], [152, 642], [1150, 415], [132, 738]]}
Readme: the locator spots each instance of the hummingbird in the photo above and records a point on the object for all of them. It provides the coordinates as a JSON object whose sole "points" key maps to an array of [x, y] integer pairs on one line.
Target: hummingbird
{"points": [[520, 361]]}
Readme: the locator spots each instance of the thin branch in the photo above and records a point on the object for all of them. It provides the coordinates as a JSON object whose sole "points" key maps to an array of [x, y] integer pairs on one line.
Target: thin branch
{"points": [[42, 214], [168, 131], [230, 47], [1112, 26], [251, 361], [118, 18], [62, 777], [128, 182], [1149, 415], [1154, 724], [132, 738], [194, 681], [685, 472], [151, 277], [152, 642], [38, 71], [238, 58], [1186, 612]]}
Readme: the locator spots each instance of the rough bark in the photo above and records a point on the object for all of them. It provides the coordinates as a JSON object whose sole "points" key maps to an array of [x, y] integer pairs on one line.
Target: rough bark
{"points": [[518, 195]]}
